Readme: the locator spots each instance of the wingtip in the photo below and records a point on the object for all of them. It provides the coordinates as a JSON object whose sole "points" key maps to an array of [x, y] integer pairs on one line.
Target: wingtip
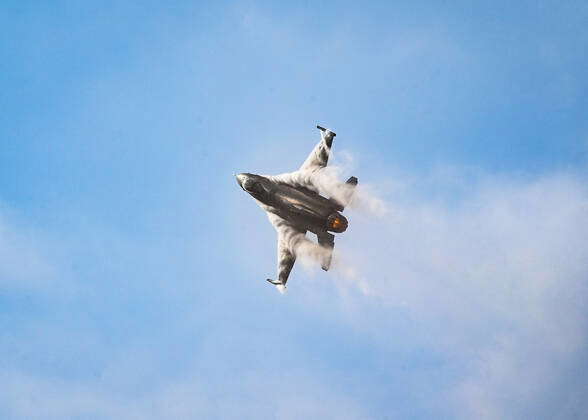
{"points": [[326, 130], [279, 285]]}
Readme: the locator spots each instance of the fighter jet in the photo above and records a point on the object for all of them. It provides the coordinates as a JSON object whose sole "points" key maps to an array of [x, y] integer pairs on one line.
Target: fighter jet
{"points": [[294, 206]]}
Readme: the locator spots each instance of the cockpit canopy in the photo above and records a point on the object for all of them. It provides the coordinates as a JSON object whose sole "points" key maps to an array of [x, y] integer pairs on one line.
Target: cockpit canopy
{"points": [[251, 183], [252, 186]]}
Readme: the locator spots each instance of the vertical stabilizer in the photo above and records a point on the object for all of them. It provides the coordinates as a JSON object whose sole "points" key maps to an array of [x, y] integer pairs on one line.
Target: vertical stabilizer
{"points": [[346, 195]]}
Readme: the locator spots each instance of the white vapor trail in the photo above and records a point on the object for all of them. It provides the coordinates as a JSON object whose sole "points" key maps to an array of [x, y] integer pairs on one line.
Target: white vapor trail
{"points": [[499, 276]]}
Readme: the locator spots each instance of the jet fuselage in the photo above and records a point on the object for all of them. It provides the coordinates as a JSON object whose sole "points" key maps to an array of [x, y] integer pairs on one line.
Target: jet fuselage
{"points": [[300, 206]]}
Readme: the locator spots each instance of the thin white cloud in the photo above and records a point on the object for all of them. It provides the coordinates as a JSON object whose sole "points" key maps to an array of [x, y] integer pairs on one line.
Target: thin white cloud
{"points": [[496, 279], [24, 264], [282, 395]]}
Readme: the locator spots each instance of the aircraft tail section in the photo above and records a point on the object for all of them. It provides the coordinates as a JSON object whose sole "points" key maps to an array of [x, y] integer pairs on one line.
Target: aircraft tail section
{"points": [[346, 195]]}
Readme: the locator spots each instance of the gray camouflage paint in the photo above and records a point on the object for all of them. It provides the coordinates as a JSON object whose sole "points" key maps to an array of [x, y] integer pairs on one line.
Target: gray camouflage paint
{"points": [[294, 206]]}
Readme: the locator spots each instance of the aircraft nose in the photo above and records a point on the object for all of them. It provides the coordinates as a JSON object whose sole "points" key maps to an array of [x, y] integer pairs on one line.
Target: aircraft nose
{"points": [[240, 179]]}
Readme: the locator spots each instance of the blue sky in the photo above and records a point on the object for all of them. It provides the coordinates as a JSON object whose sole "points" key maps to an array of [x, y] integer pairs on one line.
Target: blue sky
{"points": [[132, 266]]}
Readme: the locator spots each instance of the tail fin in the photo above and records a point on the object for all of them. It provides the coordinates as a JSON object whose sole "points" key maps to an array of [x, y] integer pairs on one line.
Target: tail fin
{"points": [[344, 198]]}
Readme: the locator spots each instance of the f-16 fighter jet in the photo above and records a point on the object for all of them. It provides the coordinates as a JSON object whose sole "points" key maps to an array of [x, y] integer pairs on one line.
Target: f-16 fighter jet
{"points": [[294, 206]]}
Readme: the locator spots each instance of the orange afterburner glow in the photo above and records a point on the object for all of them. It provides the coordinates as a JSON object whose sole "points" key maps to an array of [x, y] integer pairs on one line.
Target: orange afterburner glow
{"points": [[336, 223]]}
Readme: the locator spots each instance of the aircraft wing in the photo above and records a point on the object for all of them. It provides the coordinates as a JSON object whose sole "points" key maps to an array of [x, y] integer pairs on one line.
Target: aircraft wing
{"points": [[288, 237], [319, 156]]}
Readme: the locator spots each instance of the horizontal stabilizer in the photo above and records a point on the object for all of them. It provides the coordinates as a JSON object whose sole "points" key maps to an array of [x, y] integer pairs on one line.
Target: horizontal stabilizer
{"points": [[327, 241]]}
